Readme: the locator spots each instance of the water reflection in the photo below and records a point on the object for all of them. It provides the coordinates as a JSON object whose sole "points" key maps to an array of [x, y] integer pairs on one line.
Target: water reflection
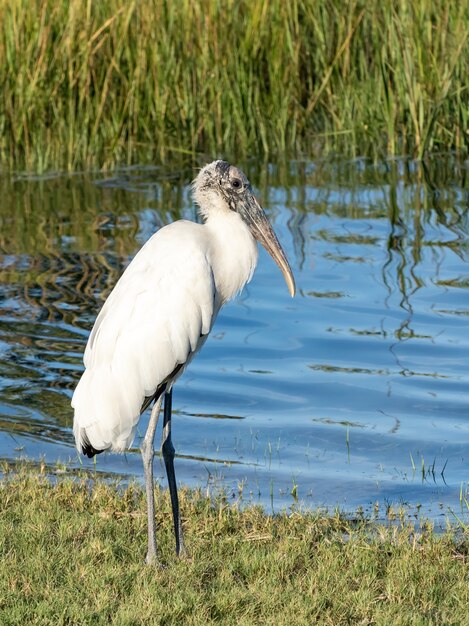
{"points": [[344, 391]]}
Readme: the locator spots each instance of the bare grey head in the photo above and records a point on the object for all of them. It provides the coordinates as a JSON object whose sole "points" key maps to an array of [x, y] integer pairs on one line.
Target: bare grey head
{"points": [[220, 186], [219, 181]]}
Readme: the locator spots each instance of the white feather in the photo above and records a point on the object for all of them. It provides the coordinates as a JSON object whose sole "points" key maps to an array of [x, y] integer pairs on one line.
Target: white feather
{"points": [[156, 318]]}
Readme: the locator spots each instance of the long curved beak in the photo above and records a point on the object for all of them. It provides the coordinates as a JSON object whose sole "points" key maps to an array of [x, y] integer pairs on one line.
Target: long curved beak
{"points": [[254, 216]]}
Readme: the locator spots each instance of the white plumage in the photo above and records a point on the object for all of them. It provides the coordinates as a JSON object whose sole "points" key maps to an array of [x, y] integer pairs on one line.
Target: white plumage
{"points": [[157, 316], [160, 313]]}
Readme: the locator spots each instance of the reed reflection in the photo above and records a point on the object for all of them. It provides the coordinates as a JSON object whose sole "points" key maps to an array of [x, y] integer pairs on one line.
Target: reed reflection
{"points": [[376, 247]]}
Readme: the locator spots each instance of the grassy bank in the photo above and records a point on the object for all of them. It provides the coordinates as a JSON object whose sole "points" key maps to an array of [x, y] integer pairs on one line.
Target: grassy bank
{"points": [[72, 554], [88, 84]]}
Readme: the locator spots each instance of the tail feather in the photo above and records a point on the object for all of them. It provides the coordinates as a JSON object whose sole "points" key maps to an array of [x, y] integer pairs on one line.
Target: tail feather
{"points": [[106, 412], [87, 449]]}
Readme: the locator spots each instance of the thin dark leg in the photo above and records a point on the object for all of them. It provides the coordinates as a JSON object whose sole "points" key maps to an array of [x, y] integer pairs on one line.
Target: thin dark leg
{"points": [[147, 455], [168, 456]]}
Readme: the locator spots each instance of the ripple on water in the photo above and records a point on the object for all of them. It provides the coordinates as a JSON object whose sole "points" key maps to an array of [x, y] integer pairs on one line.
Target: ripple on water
{"points": [[356, 391]]}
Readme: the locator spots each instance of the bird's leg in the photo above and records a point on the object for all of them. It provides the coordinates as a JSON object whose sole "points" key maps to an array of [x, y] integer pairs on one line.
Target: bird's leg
{"points": [[168, 456], [147, 451]]}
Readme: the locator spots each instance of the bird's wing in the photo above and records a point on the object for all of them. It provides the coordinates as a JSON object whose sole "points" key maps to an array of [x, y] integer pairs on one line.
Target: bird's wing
{"points": [[154, 320]]}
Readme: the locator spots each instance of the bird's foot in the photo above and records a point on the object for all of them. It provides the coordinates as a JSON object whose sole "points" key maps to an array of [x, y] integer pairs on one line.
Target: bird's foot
{"points": [[183, 553], [153, 560]]}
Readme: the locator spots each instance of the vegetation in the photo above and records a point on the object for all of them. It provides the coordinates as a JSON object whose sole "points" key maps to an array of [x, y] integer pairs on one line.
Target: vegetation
{"points": [[72, 553], [88, 84]]}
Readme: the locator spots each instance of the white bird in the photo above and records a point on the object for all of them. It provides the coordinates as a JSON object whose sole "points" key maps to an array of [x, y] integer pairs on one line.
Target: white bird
{"points": [[159, 315]]}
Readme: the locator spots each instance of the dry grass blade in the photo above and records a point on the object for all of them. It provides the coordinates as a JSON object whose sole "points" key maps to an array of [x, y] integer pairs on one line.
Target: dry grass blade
{"points": [[89, 84]]}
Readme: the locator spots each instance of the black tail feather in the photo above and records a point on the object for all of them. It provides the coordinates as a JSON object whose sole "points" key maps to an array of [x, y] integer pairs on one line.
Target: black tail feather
{"points": [[88, 449]]}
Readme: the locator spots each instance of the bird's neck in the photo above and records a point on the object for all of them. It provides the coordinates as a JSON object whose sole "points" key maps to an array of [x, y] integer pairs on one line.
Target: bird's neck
{"points": [[233, 253]]}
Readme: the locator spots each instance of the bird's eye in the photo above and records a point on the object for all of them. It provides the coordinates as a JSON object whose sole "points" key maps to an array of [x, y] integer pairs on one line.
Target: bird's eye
{"points": [[236, 183]]}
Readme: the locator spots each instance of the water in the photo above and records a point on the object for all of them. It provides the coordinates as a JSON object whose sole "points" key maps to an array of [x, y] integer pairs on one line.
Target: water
{"points": [[354, 394]]}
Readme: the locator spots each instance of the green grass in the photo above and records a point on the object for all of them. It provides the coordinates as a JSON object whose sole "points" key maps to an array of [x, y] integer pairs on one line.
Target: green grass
{"points": [[92, 84], [73, 554]]}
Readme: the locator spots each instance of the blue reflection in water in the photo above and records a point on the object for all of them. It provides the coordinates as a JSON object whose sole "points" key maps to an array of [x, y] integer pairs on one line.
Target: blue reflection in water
{"points": [[356, 391]]}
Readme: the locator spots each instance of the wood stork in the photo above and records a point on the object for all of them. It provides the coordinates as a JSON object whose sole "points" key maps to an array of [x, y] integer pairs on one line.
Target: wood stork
{"points": [[159, 315]]}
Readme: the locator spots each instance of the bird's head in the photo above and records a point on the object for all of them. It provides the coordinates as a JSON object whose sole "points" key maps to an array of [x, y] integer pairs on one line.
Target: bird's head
{"points": [[220, 186]]}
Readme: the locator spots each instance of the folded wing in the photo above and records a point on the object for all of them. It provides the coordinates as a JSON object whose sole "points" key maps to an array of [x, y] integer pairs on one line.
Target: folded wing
{"points": [[154, 320]]}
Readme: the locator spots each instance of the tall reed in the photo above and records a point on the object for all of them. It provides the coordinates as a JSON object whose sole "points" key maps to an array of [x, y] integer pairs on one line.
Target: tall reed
{"points": [[90, 84]]}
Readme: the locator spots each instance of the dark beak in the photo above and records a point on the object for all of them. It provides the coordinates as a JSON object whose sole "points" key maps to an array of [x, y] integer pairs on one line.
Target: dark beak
{"points": [[254, 216]]}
